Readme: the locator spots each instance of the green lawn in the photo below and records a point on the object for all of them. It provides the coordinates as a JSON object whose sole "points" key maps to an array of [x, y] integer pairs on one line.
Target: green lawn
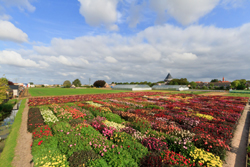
{"points": [[69, 91]]}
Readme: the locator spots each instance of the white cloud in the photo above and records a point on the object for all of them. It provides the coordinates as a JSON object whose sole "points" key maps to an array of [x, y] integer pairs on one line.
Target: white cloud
{"points": [[100, 12], [21, 4], [9, 32], [185, 12], [15, 59], [5, 17], [195, 52], [110, 59]]}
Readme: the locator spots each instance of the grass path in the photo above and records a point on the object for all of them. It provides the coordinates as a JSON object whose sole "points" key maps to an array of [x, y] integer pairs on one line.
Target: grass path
{"points": [[11, 142]]}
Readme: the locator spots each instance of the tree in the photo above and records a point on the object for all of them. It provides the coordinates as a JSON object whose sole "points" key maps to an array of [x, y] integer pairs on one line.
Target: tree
{"points": [[214, 80], [67, 84], [99, 83], [10, 83], [182, 81], [3, 89], [77, 82], [211, 86], [193, 84], [31, 83]]}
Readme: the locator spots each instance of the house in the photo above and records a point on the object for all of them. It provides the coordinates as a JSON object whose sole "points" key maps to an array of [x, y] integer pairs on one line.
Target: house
{"points": [[220, 84], [15, 89], [106, 85]]}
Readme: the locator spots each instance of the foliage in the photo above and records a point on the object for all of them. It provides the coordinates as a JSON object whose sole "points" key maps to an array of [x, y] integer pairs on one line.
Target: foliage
{"points": [[10, 83], [193, 84], [182, 81], [6, 108], [214, 80], [67, 84], [3, 89], [77, 83], [239, 84], [99, 83], [81, 158]]}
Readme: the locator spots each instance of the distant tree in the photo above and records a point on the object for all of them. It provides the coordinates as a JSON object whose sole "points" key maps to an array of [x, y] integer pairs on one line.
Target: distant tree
{"points": [[10, 83], [42, 85], [67, 84], [31, 83], [77, 82], [161, 82], [182, 81], [99, 83], [214, 80], [193, 84], [211, 86], [235, 83]]}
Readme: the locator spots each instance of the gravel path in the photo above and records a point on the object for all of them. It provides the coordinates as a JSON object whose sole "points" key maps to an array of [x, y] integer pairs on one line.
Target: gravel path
{"points": [[236, 157], [23, 155]]}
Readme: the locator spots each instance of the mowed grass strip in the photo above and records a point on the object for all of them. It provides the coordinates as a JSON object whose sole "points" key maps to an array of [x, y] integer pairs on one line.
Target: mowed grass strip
{"points": [[69, 91], [10, 144]]}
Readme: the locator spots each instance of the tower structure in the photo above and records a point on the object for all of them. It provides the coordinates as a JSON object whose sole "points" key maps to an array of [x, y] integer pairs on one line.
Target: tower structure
{"points": [[168, 78]]}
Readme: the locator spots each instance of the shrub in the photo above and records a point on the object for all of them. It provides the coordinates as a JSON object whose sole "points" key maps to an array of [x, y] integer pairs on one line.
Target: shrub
{"points": [[99, 83]]}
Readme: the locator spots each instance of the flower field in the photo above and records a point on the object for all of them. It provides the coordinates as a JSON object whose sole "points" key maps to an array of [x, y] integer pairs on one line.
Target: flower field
{"points": [[133, 129]]}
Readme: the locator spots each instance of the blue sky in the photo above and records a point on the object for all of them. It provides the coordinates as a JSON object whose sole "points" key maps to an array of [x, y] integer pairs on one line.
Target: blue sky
{"points": [[44, 41]]}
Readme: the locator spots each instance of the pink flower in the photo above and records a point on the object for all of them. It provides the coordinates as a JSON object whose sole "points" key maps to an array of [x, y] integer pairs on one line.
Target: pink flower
{"points": [[102, 154], [67, 133], [118, 152], [70, 145], [90, 143]]}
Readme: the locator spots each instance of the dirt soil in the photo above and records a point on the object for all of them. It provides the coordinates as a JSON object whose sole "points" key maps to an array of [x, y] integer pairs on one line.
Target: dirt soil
{"points": [[236, 157], [215, 93], [23, 157]]}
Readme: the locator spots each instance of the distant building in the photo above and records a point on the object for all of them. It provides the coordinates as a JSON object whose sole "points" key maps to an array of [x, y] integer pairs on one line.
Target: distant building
{"points": [[168, 79], [15, 89]]}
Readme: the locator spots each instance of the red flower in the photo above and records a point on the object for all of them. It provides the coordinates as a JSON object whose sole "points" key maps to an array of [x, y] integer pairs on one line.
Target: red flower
{"points": [[40, 142], [128, 146]]}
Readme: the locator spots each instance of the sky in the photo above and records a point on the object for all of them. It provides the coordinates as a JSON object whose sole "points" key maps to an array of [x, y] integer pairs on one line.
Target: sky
{"points": [[50, 41]]}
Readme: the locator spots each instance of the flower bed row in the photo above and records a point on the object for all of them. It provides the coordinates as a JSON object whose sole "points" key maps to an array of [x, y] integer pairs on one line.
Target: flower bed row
{"points": [[184, 130]]}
